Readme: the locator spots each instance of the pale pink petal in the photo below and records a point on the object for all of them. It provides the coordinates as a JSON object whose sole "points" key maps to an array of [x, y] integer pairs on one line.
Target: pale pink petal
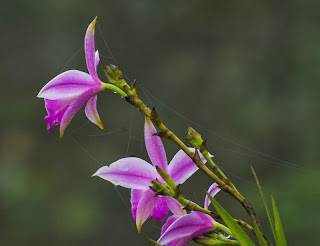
{"points": [[154, 146], [75, 106], [89, 49], [175, 207], [145, 207], [130, 172], [205, 217], [213, 190], [187, 226], [161, 209], [69, 84], [181, 167], [92, 113], [96, 59], [135, 198]]}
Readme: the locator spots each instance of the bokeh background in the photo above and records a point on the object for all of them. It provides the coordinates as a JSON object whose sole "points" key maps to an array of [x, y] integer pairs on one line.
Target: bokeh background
{"points": [[245, 73]]}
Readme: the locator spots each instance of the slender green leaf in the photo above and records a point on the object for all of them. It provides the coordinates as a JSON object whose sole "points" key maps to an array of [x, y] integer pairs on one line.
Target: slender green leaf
{"points": [[236, 230], [259, 235], [281, 240], [265, 204]]}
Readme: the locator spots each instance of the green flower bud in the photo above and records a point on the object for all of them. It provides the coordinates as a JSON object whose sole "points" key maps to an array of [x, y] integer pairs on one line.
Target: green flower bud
{"points": [[194, 138]]}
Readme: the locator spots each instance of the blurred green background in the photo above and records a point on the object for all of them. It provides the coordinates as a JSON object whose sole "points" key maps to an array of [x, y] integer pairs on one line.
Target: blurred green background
{"points": [[246, 73]]}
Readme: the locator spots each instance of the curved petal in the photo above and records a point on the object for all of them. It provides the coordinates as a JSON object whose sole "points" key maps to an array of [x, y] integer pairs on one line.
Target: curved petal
{"points": [[161, 209], [175, 207], [154, 146], [89, 49], [145, 207], [184, 227], [92, 113], [169, 222], [69, 84], [166, 225], [213, 190], [135, 198], [75, 106], [181, 167], [130, 172]]}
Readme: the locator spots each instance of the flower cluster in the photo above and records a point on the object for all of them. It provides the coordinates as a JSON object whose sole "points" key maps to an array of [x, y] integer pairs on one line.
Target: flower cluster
{"points": [[65, 94], [136, 174]]}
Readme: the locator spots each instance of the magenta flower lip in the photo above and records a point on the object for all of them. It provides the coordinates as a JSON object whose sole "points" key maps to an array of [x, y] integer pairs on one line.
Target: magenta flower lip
{"points": [[66, 93], [136, 174]]}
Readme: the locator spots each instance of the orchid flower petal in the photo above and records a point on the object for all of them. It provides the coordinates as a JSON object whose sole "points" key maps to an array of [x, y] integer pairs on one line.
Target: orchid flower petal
{"points": [[175, 207], [169, 222], [130, 172], [92, 113], [75, 106], [154, 146], [161, 209], [69, 84], [213, 190], [205, 217], [55, 110], [89, 49], [135, 198], [96, 59], [145, 207], [181, 167], [185, 226]]}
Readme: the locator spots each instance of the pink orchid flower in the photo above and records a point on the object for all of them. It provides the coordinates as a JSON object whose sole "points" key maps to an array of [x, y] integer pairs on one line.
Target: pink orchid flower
{"points": [[181, 227], [66, 93], [137, 174]]}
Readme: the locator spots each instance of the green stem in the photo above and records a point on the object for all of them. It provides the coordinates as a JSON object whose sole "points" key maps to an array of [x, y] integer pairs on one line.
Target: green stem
{"points": [[193, 207], [218, 226], [114, 89], [218, 170], [132, 97], [136, 101]]}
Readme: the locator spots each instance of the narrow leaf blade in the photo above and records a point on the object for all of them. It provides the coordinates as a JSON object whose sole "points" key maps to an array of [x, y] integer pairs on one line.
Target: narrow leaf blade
{"points": [[281, 240], [259, 235], [237, 231], [265, 204]]}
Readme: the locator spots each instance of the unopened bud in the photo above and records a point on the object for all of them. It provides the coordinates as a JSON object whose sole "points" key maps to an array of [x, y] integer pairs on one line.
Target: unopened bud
{"points": [[113, 73], [194, 138], [166, 177]]}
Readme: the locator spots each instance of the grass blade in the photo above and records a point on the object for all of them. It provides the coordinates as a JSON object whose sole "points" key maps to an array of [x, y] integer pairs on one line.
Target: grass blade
{"points": [[281, 240], [265, 204], [237, 231], [259, 235]]}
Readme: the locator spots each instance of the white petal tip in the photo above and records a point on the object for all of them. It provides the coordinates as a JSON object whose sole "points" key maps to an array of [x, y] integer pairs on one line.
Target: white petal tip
{"points": [[39, 94], [96, 173]]}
